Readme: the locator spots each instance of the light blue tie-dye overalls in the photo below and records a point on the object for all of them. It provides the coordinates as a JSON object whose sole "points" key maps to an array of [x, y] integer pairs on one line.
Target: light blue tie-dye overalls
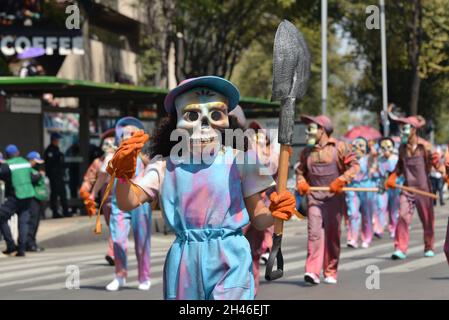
{"points": [[204, 205], [120, 223]]}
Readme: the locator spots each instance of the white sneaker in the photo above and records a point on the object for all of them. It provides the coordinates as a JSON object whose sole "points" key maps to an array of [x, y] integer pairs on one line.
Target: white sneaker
{"points": [[365, 245], [146, 285], [311, 278], [264, 258], [330, 280], [116, 284], [352, 244]]}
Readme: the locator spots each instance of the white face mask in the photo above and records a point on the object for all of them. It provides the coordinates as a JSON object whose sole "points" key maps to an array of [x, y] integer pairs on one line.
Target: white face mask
{"points": [[359, 146], [311, 134], [202, 112], [405, 132], [387, 148]]}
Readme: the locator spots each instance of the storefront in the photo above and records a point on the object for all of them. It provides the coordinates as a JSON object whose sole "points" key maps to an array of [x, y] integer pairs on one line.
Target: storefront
{"points": [[32, 108]]}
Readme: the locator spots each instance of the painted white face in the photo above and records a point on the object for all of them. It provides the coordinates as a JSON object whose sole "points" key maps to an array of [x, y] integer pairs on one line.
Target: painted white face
{"points": [[202, 111]]}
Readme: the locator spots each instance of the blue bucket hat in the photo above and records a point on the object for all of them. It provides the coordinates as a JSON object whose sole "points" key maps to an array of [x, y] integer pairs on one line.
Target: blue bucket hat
{"points": [[11, 149], [223, 86], [123, 122], [34, 155]]}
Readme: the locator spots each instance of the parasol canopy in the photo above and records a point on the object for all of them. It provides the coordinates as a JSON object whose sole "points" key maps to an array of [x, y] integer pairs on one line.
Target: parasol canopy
{"points": [[369, 133], [31, 53]]}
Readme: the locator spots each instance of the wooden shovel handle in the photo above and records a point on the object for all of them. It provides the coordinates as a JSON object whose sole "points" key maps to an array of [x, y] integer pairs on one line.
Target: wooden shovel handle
{"points": [[346, 189], [282, 182], [417, 191]]}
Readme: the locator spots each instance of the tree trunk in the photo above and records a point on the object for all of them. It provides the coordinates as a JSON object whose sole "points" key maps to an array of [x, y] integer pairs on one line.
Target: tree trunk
{"points": [[414, 54], [414, 93]]}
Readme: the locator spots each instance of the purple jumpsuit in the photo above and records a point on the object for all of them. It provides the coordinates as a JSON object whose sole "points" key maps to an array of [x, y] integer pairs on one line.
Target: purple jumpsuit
{"points": [[416, 175], [323, 219]]}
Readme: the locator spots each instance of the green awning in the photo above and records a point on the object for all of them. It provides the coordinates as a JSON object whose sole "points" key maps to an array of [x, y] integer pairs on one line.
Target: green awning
{"points": [[75, 88], [111, 91]]}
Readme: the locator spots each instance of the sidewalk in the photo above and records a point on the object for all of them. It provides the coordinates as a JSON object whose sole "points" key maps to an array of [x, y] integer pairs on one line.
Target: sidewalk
{"points": [[78, 230]]}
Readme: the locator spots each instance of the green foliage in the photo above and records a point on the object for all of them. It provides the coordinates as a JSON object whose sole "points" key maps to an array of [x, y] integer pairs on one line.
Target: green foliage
{"points": [[433, 60], [234, 39], [253, 74]]}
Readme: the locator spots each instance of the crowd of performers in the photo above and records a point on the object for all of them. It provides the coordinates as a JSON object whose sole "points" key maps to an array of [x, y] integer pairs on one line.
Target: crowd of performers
{"points": [[222, 210]]}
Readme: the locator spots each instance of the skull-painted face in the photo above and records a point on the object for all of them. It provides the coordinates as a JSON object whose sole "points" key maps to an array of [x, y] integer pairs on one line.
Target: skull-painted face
{"points": [[108, 145], [387, 148], [202, 112], [406, 130], [360, 147], [312, 134]]}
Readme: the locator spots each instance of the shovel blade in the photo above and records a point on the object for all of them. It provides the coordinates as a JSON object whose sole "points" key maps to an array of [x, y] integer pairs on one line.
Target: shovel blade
{"points": [[291, 63]]}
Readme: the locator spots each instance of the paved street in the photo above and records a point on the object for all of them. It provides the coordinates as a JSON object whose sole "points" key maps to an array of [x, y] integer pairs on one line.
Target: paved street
{"points": [[43, 275]]}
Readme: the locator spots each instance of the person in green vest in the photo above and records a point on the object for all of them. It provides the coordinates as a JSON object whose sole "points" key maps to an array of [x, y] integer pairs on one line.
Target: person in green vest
{"points": [[41, 195], [17, 174]]}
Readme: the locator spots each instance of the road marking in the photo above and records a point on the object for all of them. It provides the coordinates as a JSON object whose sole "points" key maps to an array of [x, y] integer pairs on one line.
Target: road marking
{"points": [[383, 258], [420, 263], [293, 265], [101, 281]]}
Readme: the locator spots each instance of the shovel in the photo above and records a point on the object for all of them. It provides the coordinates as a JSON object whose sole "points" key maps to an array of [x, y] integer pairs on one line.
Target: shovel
{"points": [[291, 73]]}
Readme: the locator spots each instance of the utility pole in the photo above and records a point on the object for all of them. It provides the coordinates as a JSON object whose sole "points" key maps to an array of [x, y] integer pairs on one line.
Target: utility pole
{"points": [[323, 56], [383, 40]]}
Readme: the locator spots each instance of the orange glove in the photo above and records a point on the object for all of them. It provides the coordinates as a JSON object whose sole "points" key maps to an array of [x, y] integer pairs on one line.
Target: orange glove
{"points": [[303, 188], [282, 205], [337, 186], [84, 194], [124, 162], [435, 159], [90, 207], [391, 181]]}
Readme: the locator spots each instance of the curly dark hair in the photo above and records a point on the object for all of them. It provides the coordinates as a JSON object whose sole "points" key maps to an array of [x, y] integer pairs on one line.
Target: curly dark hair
{"points": [[161, 144]]}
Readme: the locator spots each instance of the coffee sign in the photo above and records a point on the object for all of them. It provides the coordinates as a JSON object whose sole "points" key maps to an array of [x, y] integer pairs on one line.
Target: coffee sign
{"points": [[62, 45]]}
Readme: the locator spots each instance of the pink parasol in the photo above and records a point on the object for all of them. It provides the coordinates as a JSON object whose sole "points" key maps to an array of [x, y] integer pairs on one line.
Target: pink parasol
{"points": [[369, 133]]}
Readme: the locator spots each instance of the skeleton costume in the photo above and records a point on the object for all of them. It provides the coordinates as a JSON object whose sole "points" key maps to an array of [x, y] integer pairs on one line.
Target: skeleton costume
{"points": [[361, 205], [324, 162], [446, 242], [387, 200], [203, 198], [121, 222], [261, 242], [108, 146], [415, 162]]}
